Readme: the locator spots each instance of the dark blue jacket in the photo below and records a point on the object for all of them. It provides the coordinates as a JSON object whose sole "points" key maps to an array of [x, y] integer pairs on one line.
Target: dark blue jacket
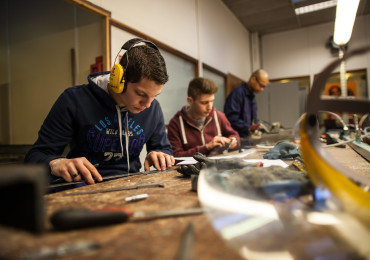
{"points": [[85, 117], [241, 109]]}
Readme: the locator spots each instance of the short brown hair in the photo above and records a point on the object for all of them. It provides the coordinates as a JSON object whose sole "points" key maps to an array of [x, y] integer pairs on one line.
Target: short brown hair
{"points": [[199, 86], [145, 62]]}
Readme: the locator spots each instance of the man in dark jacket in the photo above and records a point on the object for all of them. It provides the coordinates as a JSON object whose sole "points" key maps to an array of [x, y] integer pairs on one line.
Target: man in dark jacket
{"points": [[241, 107], [107, 121], [199, 127]]}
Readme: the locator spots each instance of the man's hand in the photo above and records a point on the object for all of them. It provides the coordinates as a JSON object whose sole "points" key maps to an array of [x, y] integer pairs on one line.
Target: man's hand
{"points": [[220, 143], [159, 160], [233, 143], [75, 169], [217, 141]]}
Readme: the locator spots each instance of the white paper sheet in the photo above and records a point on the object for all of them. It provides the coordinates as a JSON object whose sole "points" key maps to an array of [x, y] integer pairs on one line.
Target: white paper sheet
{"points": [[186, 160], [237, 155]]}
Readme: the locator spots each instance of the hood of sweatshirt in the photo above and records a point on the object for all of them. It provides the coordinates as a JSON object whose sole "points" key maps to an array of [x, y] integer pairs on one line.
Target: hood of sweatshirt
{"points": [[189, 120], [102, 80]]}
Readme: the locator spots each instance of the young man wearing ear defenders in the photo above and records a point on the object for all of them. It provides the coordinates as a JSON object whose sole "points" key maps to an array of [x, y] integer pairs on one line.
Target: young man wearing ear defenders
{"points": [[106, 125]]}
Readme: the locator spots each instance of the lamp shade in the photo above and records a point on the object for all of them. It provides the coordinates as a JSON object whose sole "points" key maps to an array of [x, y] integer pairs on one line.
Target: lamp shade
{"points": [[344, 20]]}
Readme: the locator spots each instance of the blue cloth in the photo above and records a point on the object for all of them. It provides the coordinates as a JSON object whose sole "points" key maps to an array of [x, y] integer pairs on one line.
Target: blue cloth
{"points": [[241, 109], [283, 150], [85, 118]]}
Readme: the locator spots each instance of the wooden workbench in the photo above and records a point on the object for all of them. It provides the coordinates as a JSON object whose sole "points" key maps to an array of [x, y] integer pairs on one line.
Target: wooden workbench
{"points": [[151, 239]]}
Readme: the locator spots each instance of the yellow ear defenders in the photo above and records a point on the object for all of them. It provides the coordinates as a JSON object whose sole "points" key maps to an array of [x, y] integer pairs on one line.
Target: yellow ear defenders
{"points": [[117, 79]]}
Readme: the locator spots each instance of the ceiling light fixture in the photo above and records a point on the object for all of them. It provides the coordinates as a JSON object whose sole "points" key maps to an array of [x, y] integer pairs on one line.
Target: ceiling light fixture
{"points": [[315, 7], [344, 20]]}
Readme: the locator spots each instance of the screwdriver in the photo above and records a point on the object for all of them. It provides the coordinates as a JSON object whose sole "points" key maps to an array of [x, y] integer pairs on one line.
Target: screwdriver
{"points": [[77, 218]]}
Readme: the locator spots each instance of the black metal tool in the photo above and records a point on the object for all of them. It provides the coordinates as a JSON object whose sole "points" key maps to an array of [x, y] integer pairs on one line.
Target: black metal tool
{"points": [[145, 185], [60, 182], [77, 218]]}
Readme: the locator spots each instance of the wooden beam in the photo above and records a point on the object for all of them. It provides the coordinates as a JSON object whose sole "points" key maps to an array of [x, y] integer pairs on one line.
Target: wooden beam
{"points": [[156, 42], [90, 7]]}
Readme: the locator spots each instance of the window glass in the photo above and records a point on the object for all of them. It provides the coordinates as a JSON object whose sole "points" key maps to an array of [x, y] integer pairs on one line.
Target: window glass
{"points": [[174, 93], [356, 84], [220, 81]]}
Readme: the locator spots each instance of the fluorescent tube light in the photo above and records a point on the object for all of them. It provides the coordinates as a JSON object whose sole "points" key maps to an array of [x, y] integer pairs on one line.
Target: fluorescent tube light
{"points": [[315, 7], [344, 20]]}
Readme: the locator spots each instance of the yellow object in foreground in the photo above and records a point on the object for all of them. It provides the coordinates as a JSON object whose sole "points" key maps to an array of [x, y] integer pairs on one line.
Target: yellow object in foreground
{"points": [[354, 199]]}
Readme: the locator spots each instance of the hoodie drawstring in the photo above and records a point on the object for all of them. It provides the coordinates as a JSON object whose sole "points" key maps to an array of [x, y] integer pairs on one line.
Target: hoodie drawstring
{"points": [[217, 123], [126, 135], [183, 130]]}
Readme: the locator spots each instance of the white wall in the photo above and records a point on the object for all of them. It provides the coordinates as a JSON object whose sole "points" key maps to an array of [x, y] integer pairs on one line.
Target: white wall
{"points": [[171, 22], [302, 52], [223, 42]]}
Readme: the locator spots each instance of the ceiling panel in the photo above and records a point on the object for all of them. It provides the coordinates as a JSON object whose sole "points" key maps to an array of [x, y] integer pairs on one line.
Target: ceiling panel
{"points": [[272, 16]]}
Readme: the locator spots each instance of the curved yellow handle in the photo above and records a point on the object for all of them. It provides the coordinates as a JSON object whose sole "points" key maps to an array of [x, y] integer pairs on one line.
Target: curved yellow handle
{"points": [[353, 198]]}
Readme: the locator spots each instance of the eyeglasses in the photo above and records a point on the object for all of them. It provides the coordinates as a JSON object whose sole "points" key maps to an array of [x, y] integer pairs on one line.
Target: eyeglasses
{"points": [[259, 83]]}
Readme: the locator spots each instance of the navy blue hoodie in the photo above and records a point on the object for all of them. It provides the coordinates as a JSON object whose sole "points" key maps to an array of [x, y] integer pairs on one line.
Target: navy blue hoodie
{"points": [[241, 109], [87, 118]]}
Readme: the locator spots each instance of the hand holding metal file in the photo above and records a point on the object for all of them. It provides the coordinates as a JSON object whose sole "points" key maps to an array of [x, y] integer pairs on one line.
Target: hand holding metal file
{"points": [[76, 218], [146, 185]]}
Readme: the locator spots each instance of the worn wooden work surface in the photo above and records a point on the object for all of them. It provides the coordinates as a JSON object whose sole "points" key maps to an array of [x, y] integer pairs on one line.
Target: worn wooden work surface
{"points": [[151, 239], [348, 158]]}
